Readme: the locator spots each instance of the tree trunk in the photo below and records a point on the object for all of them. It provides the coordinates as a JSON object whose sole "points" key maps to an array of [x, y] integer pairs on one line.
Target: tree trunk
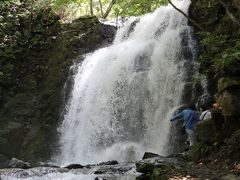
{"points": [[100, 3], [91, 7], [109, 9], [184, 14], [229, 14]]}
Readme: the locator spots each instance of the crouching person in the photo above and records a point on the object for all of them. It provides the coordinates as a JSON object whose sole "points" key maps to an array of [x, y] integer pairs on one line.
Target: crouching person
{"points": [[190, 119]]}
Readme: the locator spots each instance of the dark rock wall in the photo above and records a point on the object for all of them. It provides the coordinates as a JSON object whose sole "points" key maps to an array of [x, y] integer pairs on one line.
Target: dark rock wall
{"points": [[31, 98], [219, 46], [219, 41], [218, 54]]}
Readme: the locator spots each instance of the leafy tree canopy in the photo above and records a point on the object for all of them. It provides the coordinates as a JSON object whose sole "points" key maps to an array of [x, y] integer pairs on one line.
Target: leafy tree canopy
{"points": [[75, 8]]}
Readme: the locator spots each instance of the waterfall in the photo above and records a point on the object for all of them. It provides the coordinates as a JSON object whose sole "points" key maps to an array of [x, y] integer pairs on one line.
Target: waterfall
{"points": [[123, 94]]}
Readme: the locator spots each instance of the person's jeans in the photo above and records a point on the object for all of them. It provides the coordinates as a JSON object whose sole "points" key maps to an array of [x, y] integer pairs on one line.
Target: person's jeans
{"points": [[190, 138]]}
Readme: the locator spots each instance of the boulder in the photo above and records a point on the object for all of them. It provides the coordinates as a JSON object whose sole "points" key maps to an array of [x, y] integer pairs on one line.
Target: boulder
{"points": [[229, 99], [230, 102], [16, 163], [11, 137], [74, 166], [149, 166], [144, 167], [149, 155], [205, 132], [109, 163], [100, 178], [228, 82]]}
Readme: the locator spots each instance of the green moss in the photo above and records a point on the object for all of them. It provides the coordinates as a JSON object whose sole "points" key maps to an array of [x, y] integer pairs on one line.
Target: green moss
{"points": [[34, 67], [220, 42]]}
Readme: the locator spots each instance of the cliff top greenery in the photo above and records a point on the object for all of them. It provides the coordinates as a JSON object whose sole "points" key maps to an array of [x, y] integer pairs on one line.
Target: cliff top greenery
{"points": [[71, 9]]}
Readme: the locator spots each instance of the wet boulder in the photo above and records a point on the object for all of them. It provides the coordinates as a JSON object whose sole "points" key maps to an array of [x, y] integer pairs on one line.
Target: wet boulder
{"points": [[16, 163], [229, 89], [228, 82], [229, 100], [207, 138], [144, 167], [149, 155], [114, 162], [205, 132], [74, 166]]}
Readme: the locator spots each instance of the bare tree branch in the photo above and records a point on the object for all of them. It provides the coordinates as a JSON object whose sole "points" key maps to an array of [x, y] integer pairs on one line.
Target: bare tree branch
{"points": [[229, 14], [101, 9], [237, 4], [105, 15], [127, 5], [190, 19], [91, 6]]}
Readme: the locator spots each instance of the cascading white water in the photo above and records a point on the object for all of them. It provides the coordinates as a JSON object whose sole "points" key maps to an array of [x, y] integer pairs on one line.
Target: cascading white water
{"points": [[123, 94]]}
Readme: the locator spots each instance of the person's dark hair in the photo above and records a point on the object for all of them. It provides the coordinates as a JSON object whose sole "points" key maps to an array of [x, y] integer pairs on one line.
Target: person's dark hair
{"points": [[193, 107]]}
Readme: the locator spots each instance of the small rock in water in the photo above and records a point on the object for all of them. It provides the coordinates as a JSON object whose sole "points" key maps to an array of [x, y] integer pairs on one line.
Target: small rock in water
{"points": [[100, 178], [109, 163], [74, 166], [149, 155], [16, 163]]}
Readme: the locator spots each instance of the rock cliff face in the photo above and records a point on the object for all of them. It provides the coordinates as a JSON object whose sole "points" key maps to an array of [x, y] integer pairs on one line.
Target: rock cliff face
{"points": [[219, 46], [31, 94], [219, 58]]}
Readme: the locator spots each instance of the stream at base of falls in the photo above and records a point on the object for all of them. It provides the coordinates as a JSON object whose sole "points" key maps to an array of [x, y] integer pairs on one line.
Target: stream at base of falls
{"points": [[173, 167]]}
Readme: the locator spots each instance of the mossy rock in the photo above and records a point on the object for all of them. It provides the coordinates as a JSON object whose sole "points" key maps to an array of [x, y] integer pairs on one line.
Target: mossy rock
{"points": [[154, 171], [200, 151], [205, 132], [21, 104], [11, 135], [144, 167], [228, 82], [32, 95]]}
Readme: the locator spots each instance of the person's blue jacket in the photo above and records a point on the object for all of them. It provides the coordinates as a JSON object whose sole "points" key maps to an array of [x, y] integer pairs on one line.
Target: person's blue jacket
{"points": [[190, 118]]}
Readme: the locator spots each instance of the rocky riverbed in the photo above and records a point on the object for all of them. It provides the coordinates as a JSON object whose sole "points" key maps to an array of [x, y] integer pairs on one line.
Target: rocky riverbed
{"points": [[177, 166]]}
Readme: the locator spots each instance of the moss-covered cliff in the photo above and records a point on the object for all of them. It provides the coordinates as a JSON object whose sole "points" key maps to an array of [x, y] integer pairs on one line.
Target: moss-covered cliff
{"points": [[219, 57], [35, 57]]}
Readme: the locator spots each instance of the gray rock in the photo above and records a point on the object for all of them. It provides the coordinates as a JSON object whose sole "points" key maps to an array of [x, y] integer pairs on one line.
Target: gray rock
{"points": [[16, 163], [109, 163], [144, 167], [149, 155], [74, 166]]}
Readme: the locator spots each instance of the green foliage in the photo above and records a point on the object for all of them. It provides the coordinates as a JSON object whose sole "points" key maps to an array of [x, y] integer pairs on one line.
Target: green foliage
{"points": [[24, 29], [73, 8], [137, 7], [220, 52]]}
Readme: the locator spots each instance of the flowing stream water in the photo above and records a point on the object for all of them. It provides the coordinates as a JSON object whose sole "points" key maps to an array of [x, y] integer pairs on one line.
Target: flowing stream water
{"points": [[123, 94]]}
